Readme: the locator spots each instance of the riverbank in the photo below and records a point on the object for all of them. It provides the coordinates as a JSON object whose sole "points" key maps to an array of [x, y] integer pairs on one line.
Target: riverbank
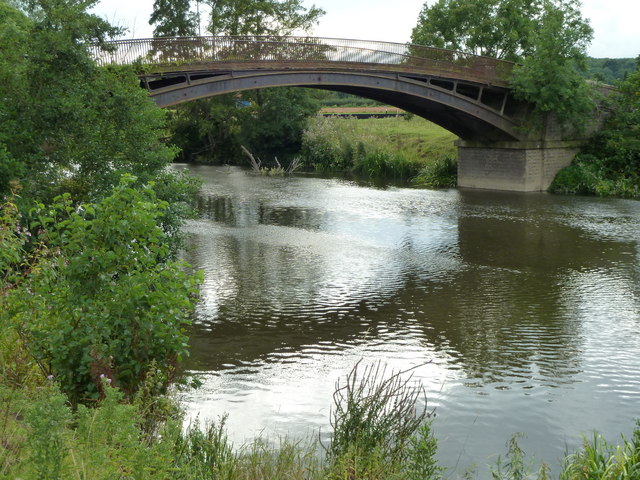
{"points": [[400, 148], [42, 437], [374, 439]]}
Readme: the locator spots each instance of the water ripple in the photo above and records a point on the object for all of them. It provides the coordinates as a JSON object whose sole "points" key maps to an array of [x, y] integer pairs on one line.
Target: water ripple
{"points": [[523, 311]]}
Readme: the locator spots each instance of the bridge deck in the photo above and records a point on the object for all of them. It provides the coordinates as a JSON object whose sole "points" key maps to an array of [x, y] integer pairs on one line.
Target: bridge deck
{"points": [[303, 53]]}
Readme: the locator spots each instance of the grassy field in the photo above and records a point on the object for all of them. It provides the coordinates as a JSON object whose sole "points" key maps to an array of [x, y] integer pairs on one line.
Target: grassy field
{"points": [[417, 137], [397, 147]]}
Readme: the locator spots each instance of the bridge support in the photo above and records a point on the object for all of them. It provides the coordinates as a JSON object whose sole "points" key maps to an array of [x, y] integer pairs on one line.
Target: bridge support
{"points": [[513, 166]]}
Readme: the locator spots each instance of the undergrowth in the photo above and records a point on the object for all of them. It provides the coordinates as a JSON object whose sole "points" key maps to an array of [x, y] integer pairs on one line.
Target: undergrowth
{"points": [[390, 148]]}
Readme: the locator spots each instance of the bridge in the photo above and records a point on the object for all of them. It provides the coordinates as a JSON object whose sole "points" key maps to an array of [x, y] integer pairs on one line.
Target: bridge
{"points": [[466, 94]]}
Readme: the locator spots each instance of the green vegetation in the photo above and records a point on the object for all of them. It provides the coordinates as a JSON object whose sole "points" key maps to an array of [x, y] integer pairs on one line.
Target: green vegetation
{"points": [[610, 163], [90, 216], [494, 28], [550, 78], [101, 296], [377, 432], [375, 423], [548, 38], [597, 459], [376, 147], [266, 17], [95, 306], [269, 122], [610, 70], [377, 436], [65, 124], [173, 18]]}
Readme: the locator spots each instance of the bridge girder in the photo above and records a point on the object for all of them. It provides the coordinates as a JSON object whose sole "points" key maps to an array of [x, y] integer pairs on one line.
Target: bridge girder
{"points": [[474, 112]]}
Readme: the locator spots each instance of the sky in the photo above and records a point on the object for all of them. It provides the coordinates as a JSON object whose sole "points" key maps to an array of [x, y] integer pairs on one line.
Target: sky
{"points": [[615, 22]]}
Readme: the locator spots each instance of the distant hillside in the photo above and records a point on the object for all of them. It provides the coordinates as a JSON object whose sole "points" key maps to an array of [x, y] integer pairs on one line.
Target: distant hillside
{"points": [[610, 70]]}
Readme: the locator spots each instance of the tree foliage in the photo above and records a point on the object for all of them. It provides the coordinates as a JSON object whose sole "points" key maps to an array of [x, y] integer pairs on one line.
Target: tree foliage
{"points": [[276, 121], [67, 125], [547, 37], [173, 18], [610, 163], [208, 128], [93, 290], [550, 78], [269, 122], [495, 28], [261, 17], [610, 70]]}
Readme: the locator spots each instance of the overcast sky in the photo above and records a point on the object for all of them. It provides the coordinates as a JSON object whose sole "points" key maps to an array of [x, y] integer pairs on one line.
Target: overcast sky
{"points": [[615, 22]]}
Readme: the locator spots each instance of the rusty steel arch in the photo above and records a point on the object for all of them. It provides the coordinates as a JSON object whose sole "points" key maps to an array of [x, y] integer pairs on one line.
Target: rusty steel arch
{"points": [[464, 93], [463, 115]]}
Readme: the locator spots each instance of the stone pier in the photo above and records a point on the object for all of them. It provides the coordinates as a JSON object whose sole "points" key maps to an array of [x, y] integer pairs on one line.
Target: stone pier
{"points": [[514, 166]]}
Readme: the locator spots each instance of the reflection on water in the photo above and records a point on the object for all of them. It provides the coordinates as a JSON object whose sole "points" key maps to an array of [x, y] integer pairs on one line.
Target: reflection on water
{"points": [[526, 306]]}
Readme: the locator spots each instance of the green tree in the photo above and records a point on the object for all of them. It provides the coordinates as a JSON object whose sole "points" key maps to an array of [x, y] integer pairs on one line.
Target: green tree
{"points": [[207, 130], [494, 28], [261, 17], [67, 124], [278, 120], [14, 28], [173, 18], [548, 37], [551, 77], [610, 163], [619, 140], [270, 121]]}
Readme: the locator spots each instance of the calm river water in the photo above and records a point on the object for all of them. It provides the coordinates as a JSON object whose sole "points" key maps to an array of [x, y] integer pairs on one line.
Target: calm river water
{"points": [[526, 306]]}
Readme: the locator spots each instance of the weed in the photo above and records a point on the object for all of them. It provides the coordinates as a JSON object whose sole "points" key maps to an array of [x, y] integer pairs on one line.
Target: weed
{"points": [[443, 173], [374, 418], [600, 460]]}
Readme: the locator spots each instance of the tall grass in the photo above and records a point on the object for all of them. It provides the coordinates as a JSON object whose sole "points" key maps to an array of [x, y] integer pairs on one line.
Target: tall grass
{"points": [[392, 148], [376, 423], [596, 460], [381, 431], [442, 173], [600, 459]]}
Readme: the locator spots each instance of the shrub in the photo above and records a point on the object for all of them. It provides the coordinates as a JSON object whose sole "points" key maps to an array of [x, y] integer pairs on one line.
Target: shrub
{"points": [[590, 175], [374, 419], [322, 146], [100, 296], [443, 173]]}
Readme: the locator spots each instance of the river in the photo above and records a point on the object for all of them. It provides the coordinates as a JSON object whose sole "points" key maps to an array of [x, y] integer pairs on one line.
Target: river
{"points": [[523, 310]]}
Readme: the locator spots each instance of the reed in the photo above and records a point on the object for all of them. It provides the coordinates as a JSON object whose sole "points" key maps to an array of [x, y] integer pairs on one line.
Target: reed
{"points": [[390, 148]]}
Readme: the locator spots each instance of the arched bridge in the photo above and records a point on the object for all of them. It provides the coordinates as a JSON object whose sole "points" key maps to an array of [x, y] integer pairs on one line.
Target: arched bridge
{"points": [[467, 94], [464, 93]]}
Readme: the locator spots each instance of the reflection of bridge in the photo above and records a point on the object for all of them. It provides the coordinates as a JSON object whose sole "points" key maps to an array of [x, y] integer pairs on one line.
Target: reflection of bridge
{"points": [[466, 94]]}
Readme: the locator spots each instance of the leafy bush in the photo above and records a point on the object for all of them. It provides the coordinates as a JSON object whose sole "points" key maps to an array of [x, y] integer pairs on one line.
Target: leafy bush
{"points": [[443, 173], [590, 175], [610, 164], [94, 292], [580, 177], [323, 147]]}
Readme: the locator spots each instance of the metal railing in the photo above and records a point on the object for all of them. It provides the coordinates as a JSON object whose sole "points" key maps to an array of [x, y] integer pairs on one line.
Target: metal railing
{"points": [[182, 51]]}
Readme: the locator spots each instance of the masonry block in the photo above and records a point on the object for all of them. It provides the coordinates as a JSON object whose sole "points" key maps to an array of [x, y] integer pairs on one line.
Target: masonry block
{"points": [[519, 167]]}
